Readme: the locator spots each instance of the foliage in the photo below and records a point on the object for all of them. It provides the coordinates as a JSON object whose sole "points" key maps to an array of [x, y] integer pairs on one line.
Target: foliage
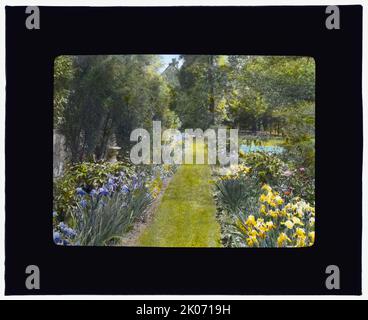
{"points": [[154, 186], [110, 96], [267, 168], [231, 193], [241, 201], [297, 182], [299, 137], [101, 99], [198, 100], [63, 74], [236, 189], [104, 215], [108, 200], [103, 219], [87, 175], [281, 80]]}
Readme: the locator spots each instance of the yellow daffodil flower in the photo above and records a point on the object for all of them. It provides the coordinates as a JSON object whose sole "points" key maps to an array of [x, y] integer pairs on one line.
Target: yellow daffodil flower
{"points": [[288, 224], [300, 233], [297, 221], [279, 200], [262, 209], [270, 225], [266, 187], [272, 204], [300, 242], [282, 239], [241, 226], [273, 213], [263, 198], [251, 220], [300, 212], [253, 233], [251, 241], [261, 226]]}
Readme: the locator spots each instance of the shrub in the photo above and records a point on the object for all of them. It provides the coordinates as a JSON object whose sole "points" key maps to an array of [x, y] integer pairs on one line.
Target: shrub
{"points": [[302, 154], [297, 183], [88, 176], [265, 167]]}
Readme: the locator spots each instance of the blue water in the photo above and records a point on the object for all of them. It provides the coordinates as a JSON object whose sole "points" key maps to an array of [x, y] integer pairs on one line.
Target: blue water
{"points": [[268, 149]]}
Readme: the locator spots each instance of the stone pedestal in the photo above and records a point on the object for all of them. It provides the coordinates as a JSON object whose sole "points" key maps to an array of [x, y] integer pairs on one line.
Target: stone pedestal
{"points": [[112, 153]]}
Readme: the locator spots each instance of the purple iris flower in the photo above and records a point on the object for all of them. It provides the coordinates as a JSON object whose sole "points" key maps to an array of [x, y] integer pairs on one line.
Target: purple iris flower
{"points": [[103, 191], [81, 192], [62, 226], [57, 237], [70, 232], [83, 203]]}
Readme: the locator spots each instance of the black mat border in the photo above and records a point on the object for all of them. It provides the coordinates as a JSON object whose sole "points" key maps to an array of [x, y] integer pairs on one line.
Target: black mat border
{"points": [[192, 30]]}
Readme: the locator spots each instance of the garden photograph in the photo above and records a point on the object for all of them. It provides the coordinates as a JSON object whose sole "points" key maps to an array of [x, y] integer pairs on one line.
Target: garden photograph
{"points": [[178, 150]]}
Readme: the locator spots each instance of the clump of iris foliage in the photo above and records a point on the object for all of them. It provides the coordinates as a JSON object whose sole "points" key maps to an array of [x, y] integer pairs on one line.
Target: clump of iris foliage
{"points": [[267, 200], [99, 202]]}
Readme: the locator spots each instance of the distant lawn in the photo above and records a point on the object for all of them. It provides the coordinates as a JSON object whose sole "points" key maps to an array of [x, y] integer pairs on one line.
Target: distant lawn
{"points": [[186, 216], [268, 142], [274, 142]]}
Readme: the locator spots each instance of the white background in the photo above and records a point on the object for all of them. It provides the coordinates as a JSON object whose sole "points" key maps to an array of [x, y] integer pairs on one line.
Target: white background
{"points": [[179, 3]]}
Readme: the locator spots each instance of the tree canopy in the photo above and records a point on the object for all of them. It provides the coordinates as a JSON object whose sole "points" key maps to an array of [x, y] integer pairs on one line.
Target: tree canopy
{"points": [[97, 97]]}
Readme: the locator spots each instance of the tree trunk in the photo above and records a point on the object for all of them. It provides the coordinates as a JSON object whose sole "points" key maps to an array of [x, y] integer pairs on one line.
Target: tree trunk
{"points": [[212, 89], [101, 148]]}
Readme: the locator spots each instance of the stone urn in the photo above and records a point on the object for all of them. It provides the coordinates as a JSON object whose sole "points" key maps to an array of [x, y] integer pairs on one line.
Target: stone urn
{"points": [[112, 152]]}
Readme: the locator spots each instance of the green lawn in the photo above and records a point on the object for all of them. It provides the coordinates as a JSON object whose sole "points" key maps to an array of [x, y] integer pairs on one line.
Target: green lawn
{"points": [[186, 216], [266, 142], [274, 142]]}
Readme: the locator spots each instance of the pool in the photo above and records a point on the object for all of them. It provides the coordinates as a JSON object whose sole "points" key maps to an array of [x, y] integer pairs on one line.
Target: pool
{"points": [[268, 149]]}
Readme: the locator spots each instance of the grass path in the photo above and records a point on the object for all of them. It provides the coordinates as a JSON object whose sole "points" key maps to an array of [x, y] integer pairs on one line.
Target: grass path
{"points": [[186, 216]]}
